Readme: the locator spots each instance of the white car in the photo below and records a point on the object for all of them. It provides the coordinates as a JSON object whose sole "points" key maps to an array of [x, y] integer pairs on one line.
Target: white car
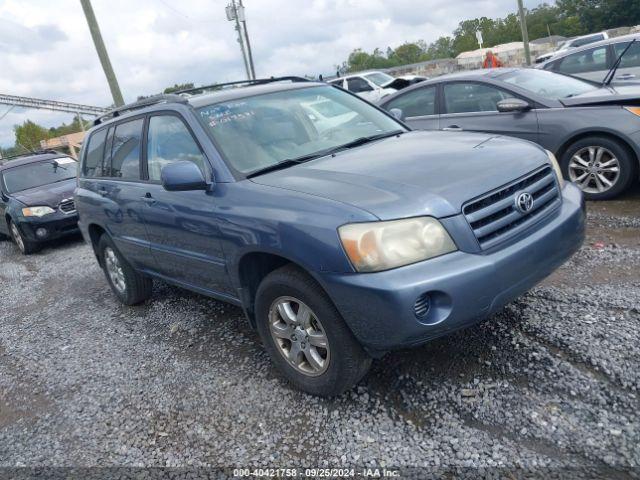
{"points": [[573, 43], [371, 86]]}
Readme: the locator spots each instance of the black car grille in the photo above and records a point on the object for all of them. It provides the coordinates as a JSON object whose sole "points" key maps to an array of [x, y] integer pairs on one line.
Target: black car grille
{"points": [[67, 206], [494, 217]]}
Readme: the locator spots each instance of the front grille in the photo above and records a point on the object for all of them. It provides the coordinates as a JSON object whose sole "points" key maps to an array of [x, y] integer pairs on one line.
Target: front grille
{"points": [[67, 206], [494, 217]]}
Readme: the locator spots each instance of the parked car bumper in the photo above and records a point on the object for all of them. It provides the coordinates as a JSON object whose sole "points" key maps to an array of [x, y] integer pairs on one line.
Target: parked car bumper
{"points": [[49, 227], [462, 288]]}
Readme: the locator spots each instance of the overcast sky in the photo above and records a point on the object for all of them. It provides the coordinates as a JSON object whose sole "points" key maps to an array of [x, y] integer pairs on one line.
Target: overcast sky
{"points": [[46, 49]]}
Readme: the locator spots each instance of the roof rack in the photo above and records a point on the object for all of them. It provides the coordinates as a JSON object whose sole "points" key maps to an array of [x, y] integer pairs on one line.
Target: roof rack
{"points": [[145, 102], [30, 154], [180, 95], [257, 81]]}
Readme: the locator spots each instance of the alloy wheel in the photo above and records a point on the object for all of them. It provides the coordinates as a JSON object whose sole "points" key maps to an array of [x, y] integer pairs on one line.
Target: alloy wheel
{"points": [[594, 169], [114, 270], [299, 336]]}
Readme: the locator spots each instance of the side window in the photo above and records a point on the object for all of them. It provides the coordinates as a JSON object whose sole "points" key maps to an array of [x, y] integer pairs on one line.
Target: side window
{"points": [[125, 152], [591, 60], [357, 84], [472, 97], [416, 103], [92, 166], [170, 141], [631, 58], [587, 40]]}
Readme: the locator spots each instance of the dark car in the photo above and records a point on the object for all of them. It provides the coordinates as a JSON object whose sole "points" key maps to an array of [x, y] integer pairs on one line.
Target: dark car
{"points": [[36, 199], [339, 244], [594, 130]]}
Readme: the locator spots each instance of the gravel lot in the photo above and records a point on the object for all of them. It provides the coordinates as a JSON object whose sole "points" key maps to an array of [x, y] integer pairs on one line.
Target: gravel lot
{"points": [[549, 384]]}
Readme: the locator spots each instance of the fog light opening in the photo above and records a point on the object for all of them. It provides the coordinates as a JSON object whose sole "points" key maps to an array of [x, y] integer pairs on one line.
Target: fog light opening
{"points": [[41, 232], [422, 306]]}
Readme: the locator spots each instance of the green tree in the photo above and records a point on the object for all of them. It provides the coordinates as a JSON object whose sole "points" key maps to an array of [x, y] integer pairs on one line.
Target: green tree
{"points": [[408, 53], [29, 134], [177, 87]]}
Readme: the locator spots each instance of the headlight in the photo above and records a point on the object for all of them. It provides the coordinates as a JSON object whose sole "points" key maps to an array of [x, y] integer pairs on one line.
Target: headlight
{"points": [[556, 168], [376, 246], [37, 211]]}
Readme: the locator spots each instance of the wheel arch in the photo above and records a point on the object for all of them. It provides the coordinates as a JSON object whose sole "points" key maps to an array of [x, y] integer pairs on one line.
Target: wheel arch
{"points": [[95, 232], [252, 267]]}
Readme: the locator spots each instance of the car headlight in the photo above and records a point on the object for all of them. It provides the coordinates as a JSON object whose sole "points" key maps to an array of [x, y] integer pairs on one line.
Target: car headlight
{"points": [[376, 246], [556, 168], [37, 211]]}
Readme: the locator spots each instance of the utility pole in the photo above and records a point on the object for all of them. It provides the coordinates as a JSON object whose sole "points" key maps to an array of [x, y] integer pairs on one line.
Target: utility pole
{"points": [[525, 33], [102, 52], [243, 19], [233, 15]]}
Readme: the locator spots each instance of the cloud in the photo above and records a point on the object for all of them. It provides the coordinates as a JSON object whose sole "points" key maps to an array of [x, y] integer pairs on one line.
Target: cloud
{"points": [[46, 50]]}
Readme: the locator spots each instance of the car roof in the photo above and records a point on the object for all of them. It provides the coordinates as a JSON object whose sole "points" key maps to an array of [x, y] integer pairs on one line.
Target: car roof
{"points": [[206, 98], [466, 75], [27, 159], [588, 46]]}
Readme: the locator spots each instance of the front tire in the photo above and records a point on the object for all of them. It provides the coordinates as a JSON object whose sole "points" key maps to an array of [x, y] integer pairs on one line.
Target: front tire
{"points": [[601, 167], [127, 284], [305, 336], [26, 246]]}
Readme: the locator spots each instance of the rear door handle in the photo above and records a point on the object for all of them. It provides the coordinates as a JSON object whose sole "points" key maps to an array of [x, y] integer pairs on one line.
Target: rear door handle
{"points": [[103, 192], [453, 128]]}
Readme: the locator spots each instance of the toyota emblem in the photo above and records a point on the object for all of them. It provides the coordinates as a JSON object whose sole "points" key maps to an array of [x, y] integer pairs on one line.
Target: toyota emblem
{"points": [[524, 202]]}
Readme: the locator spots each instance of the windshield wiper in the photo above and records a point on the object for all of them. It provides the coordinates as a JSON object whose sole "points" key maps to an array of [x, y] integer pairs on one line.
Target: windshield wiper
{"points": [[609, 76], [289, 162], [363, 140]]}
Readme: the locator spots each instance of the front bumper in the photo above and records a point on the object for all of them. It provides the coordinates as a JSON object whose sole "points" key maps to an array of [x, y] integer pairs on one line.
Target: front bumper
{"points": [[463, 287], [56, 224]]}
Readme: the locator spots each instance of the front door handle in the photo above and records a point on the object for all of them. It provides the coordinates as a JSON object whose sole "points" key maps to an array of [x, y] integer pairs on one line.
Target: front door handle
{"points": [[626, 76], [148, 198], [453, 128], [103, 192]]}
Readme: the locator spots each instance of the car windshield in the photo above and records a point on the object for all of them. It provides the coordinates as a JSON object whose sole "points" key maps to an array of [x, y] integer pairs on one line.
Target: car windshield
{"points": [[379, 78], [547, 84], [38, 174], [258, 132]]}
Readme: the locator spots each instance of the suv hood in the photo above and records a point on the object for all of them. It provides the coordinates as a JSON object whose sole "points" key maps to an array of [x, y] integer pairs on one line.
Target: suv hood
{"points": [[628, 94], [418, 173], [50, 195]]}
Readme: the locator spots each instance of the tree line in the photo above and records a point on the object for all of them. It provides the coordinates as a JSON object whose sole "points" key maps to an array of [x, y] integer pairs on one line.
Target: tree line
{"points": [[567, 18]]}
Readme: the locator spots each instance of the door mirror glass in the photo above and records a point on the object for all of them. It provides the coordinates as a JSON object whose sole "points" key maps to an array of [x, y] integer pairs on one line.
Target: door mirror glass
{"points": [[513, 105], [396, 112], [183, 176]]}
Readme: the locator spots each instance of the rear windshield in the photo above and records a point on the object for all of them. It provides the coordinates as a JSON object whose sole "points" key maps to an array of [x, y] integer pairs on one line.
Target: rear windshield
{"points": [[38, 174], [547, 84]]}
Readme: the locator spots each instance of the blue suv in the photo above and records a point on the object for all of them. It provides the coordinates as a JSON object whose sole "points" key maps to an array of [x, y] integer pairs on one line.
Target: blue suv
{"points": [[340, 232]]}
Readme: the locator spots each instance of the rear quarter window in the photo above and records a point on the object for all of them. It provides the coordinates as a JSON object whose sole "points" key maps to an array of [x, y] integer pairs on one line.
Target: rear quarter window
{"points": [[92, 166]]}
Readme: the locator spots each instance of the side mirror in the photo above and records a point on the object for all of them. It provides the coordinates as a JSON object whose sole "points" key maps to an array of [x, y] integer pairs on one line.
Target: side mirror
{"points": [[183, 176], [513, 105], [397, 112]]}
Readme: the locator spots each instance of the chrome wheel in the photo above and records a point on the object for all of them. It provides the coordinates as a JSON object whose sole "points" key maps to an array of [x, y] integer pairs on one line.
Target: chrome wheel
{"points": [[17, 237], [299, 336], [114, 270], [594, 169]]}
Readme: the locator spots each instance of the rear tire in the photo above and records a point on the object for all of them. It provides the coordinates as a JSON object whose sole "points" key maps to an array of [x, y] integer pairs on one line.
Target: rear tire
{"points": [[127, 284], [26, 246], [595, 162], [294, 314]]}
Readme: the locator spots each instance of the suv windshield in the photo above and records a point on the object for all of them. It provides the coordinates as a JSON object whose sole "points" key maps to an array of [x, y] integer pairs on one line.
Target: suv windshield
{"points": [[379, 78], [40, 173], [255, 133], [547, 84]]}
